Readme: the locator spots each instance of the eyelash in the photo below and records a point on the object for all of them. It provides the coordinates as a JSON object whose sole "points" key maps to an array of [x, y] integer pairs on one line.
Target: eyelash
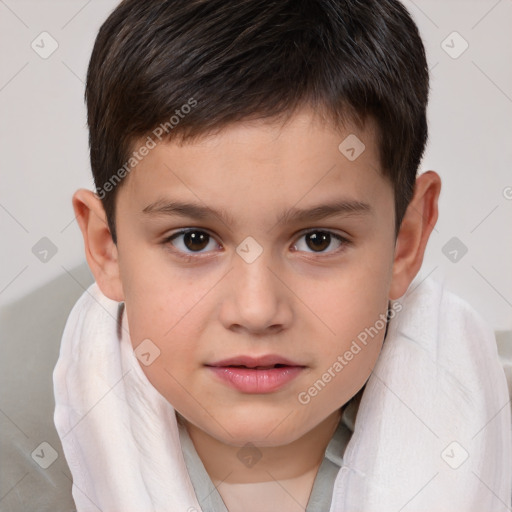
{"points": [[194, 256]]}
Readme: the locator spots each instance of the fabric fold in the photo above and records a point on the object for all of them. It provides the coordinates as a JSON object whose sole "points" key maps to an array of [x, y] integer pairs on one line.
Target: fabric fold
{"points": [[433, 430]]}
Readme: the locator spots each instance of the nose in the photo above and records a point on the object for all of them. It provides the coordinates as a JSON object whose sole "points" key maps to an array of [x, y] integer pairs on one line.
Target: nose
{"points": [[256, 300]]}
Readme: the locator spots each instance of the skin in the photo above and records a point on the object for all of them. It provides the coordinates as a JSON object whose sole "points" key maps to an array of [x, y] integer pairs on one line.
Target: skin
{"points": [[296, 300]]}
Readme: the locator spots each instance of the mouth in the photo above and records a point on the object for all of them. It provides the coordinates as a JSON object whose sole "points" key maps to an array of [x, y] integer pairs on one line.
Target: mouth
{"points": [[256, 375], [268, 367], [265, 362]]}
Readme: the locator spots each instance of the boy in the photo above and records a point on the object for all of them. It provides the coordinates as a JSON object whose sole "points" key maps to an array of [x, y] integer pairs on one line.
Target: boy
{"points": [[256, 210]]}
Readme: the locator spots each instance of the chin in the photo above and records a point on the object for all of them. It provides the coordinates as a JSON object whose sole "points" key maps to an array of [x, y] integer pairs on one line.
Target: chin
{"points": [[261, 428]]}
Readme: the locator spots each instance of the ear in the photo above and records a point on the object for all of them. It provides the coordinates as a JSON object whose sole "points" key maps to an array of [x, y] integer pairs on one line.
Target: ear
{"points": [[100, 250], [418, 222]]}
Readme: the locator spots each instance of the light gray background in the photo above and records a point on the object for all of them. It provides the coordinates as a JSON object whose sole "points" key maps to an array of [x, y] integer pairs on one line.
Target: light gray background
{"points": [[44, 153]]}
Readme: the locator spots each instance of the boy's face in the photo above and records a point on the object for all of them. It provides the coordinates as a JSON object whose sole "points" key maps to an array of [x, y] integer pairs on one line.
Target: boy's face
{"points": [[211, 295]]}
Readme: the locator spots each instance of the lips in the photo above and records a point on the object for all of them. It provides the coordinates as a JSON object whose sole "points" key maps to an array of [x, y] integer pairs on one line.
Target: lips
{"points": [[260, 363], [256, 375]]}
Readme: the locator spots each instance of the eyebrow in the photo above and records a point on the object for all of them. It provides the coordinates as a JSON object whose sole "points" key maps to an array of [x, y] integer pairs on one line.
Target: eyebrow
{"points": [[341, 207]]}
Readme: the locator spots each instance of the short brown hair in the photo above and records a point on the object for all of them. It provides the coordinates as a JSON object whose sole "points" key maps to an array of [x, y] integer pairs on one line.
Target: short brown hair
{"points": [[230, 60]]}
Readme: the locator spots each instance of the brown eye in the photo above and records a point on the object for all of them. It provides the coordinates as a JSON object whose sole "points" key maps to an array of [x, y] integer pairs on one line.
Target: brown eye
{"points": [[195, 240], [190, 241], [317, 241]]}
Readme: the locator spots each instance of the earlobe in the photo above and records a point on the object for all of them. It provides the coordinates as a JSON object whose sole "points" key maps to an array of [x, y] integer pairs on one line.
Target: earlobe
{"points": [[100, 250], [417, 225]]}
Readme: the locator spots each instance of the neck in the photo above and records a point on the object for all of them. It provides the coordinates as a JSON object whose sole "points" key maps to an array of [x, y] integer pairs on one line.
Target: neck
{"points": [[292, 461]]}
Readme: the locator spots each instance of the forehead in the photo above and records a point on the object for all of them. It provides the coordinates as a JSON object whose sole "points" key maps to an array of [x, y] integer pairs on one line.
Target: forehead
{"points": [[262, 167]]}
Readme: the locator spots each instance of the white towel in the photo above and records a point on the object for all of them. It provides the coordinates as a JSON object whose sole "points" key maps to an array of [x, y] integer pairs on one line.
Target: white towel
{"points": [[432, 434]]}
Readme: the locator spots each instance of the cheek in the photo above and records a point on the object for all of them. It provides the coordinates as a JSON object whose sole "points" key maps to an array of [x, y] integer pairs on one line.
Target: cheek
{"points": [[174, 336], [170, 322], [352, 305], [353, 298], [162, 306], [160, 297], [346, 359]]}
